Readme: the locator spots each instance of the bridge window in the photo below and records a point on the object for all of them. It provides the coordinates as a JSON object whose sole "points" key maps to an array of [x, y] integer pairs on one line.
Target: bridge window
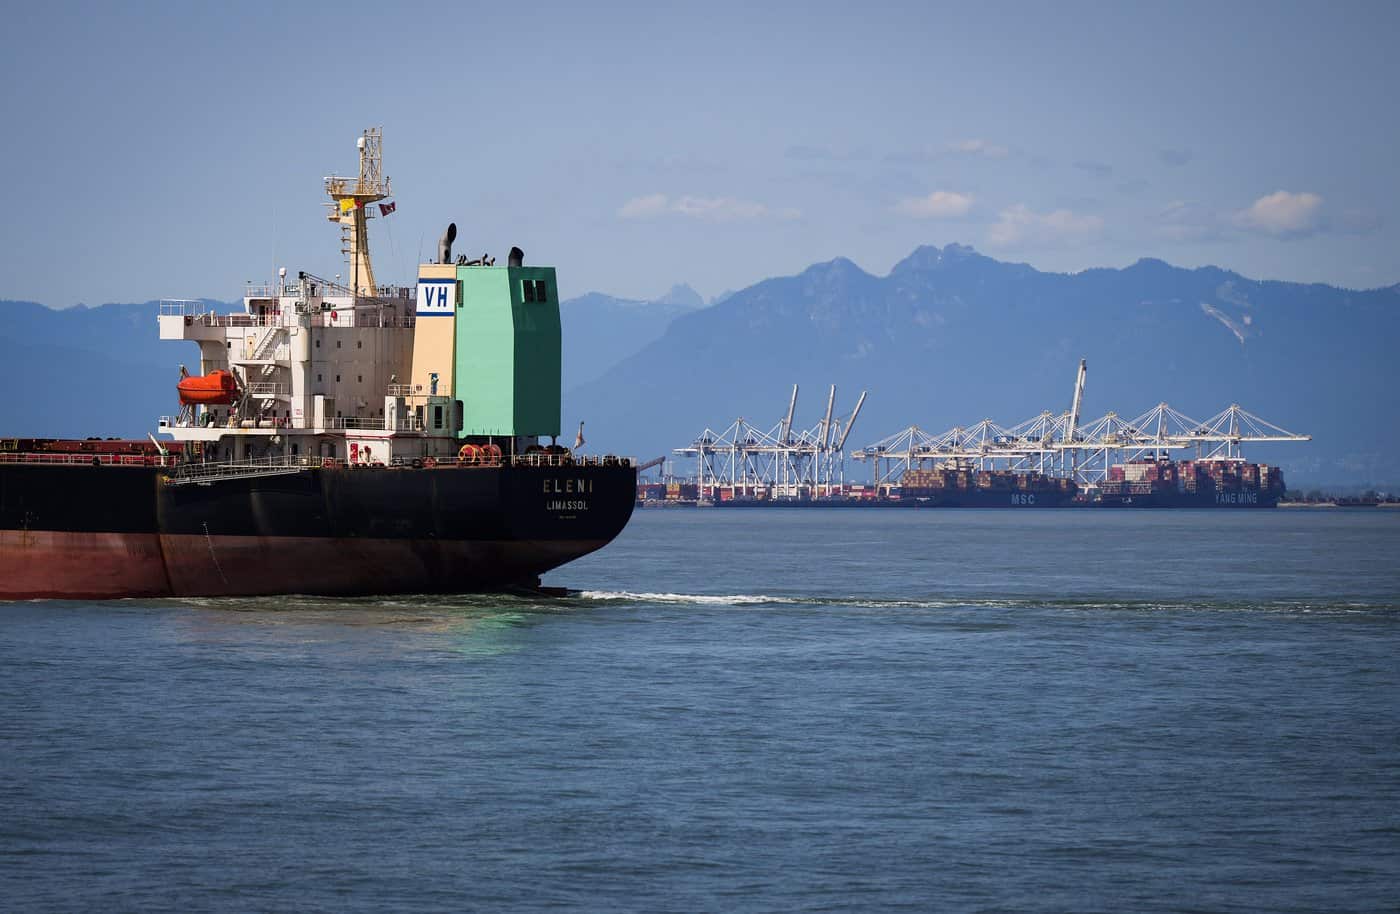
{"points": [[534, 290]]}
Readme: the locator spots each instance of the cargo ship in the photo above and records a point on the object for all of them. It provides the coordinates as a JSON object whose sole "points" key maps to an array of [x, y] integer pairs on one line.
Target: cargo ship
{"points": [[1190, 484], [339, 438], [947, 487], [1147, 483], [961, 487]]}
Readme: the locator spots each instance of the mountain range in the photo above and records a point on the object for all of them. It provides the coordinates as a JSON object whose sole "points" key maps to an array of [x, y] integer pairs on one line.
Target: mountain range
{"points": [[950, 337], [946, 338]]}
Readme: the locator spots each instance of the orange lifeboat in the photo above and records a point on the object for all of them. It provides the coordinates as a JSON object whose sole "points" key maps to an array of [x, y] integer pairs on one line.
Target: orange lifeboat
{"points": [[216, 387]]}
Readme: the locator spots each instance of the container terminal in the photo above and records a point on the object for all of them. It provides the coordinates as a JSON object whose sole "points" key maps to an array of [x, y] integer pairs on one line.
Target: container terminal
{"points": [[1159, 459]]}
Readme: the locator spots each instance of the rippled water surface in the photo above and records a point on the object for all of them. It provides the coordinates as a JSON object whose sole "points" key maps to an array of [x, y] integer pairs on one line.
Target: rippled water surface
{"points": [[779, 711]]}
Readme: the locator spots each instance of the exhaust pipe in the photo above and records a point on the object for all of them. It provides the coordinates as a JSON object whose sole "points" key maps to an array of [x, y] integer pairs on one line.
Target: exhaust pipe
{"points": [[445, 245]]}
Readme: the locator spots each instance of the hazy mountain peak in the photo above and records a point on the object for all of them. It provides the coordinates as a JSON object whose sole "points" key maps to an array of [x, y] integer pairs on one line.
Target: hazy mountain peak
{"points": [[839, 267], [931, 257], [683, 295]]}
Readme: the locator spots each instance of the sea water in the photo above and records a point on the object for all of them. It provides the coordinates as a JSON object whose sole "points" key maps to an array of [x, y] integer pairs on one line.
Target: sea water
{"points": [[782, 710]]}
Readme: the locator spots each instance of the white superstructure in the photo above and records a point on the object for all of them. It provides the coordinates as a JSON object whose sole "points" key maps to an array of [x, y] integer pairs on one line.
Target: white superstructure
{"points": [[323, 368]]}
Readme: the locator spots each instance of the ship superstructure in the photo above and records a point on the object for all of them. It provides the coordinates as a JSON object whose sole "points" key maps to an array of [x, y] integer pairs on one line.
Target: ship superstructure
{"points": [[354, 371], [339, 437]]}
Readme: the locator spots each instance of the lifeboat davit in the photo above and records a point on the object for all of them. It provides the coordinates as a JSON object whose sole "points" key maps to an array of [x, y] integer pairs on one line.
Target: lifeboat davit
{"points": [[216, 387]]}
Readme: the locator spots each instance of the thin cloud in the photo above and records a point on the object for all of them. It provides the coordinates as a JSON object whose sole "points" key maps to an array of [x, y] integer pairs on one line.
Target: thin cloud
{"points": [[705, 209], [979, 147], [1019, 225], [975, 147], [643, 207], [1359, 221], [825, 154], [1184, 220], [941, 204], [1174, 157], [1097, 169]]}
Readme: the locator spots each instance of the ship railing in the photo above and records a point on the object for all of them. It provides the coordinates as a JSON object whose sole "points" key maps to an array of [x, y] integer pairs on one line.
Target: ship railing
{"points": [[243, 320], [243, 469], [268, 389], [520, 460], [346, 317], [182, 307], [572, 460], [408, 423], [87, 460]]}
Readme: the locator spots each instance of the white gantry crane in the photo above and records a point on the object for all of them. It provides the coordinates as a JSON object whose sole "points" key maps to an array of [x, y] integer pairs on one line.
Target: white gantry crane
{"points": [[1064, 445], [776, 462]]}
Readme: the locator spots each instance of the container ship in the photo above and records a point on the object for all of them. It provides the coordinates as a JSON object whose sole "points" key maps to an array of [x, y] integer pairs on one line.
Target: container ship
{"points": [[920, 488], [1190, 484], [1136, 484], [339, 438], [966, 488]]}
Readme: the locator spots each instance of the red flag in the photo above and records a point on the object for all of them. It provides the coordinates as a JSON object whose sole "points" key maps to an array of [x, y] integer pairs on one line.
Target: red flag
{"points": [[387, 208]]}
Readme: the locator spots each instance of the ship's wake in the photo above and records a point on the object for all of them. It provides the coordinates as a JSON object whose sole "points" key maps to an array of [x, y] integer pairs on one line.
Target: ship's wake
{"points": [[1100, 604]]}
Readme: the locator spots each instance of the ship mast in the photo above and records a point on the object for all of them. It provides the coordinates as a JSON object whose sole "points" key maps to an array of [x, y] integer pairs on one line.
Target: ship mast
{"points": [[350, 198]]}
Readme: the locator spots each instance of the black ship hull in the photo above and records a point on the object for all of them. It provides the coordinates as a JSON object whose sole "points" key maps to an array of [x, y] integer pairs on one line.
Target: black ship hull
{"points": [[970, 498], [104, 531], [1171, 499]]}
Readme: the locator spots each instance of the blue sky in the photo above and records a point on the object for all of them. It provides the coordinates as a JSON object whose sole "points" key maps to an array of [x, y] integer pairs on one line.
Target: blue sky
{"points": [[173, 150]]}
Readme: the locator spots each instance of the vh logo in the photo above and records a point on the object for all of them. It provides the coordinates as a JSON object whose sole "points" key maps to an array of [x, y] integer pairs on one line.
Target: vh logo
{"points": [[436, 297]]}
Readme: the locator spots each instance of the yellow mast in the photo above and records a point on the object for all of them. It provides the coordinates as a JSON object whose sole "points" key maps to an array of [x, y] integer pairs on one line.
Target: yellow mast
{"points": [[351, 196]]}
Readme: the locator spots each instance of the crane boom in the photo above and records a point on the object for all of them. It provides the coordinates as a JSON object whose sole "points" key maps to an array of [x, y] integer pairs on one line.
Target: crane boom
{"points": [[826, 423], [786, 436], [1073, 428], [841, 445]]}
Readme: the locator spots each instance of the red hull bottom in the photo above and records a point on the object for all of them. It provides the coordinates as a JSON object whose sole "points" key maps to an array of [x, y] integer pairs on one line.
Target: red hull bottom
{"points": [[53, 565], [42, 564]]}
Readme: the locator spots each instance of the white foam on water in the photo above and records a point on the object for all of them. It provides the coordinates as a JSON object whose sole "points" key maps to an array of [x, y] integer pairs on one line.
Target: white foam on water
{"points": [[741, 599]]}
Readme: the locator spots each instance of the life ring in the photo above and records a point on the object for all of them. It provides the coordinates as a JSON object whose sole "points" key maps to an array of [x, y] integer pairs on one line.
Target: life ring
{"points": [[334, 315], [429, 462]]}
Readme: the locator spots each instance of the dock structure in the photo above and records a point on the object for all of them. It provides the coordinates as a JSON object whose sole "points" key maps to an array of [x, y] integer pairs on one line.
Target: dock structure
{"points": [[788, 462], [779, 462], [1044, 443]]}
